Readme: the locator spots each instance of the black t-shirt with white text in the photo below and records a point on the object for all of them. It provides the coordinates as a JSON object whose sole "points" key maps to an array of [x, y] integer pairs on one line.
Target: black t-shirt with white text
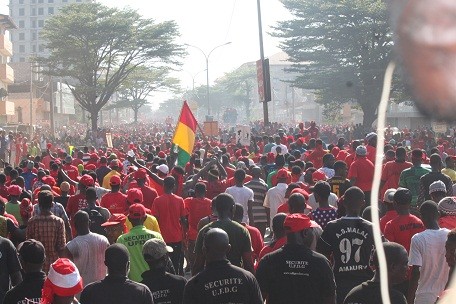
{"points": [[350, 240], [294, 274], [222, 283], [166, 288]]}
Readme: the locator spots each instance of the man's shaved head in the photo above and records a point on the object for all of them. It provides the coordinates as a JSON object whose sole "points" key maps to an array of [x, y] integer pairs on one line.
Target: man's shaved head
{"points": [[217, 243]]}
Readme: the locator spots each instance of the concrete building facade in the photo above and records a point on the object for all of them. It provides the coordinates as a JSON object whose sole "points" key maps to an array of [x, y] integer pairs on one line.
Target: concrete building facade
{"points": [[30, 16], [6, 72]]}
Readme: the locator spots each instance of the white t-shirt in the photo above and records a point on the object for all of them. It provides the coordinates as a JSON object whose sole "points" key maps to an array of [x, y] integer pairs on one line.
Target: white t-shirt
{"points": [[274, 197], [328, 172], [88, 254], [427, 250], [242, 196], [284, 149], [332, 200]]}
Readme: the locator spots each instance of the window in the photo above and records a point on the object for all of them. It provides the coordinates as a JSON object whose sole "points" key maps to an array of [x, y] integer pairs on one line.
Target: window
{"points": [[21, 48], [21, 36], [21, 23], [40, 23], [21, 1], [33, 12], [34, 36], [22, 59], [33, 1], [41, 48], [40, 11], [21, 11], [33, 48], [40, 1], [64, 1], [50, 1], [33, 23], [50, 10]]}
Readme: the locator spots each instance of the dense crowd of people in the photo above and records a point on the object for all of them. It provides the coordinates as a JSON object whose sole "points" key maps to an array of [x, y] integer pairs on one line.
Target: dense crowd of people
{"points": [[283, 220]]}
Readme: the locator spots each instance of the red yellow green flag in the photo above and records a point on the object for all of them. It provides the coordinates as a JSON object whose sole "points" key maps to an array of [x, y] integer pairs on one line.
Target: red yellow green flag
{"points": [[184, 136]]}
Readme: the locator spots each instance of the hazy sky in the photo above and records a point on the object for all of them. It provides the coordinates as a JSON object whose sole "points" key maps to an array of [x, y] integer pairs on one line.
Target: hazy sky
{"points": [[208, 23]]}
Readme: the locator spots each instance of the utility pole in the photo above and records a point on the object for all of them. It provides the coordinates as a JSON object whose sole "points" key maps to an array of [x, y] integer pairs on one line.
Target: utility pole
{"points": [[51, 105], [260, 30], [31, 99]]}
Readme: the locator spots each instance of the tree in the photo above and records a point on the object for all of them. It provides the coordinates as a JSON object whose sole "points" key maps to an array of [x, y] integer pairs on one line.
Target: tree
{"points": [[96, 48], [140, 84], [238, 85], [340, 48]]}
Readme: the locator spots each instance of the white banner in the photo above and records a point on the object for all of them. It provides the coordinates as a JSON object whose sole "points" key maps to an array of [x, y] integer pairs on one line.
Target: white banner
{"points": [[243, 135]]}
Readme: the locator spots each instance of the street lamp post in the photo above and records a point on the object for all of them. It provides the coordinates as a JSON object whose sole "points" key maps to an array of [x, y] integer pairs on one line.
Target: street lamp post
{"points": [[207, 71]]}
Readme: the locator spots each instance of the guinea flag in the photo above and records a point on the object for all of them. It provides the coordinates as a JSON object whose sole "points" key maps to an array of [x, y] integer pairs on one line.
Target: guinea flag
{"points": [[184, 136]]}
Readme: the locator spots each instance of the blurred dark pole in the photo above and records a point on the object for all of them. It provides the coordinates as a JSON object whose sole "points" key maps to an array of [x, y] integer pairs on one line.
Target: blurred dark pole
{"points": [[260, 30]]}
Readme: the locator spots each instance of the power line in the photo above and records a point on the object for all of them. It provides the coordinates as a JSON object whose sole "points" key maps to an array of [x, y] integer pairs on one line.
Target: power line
{"points": [[231, 20]]}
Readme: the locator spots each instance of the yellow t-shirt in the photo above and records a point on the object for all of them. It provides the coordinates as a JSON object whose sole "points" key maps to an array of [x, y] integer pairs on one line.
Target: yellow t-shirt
{"points": [[451, 173], [150, 223], [107, 178]]}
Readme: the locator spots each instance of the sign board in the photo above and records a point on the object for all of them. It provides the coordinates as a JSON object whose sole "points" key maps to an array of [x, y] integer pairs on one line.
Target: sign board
{"points": [[264, 80], [439, 127], [109, 140], [243, 135], [211, 128]]}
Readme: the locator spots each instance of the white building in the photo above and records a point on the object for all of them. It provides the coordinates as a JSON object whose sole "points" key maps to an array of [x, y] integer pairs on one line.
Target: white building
{"points": [[30, 16]]}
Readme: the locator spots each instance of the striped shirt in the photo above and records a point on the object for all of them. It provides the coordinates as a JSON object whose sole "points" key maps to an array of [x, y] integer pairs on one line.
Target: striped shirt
{"points": [[259, 189]]}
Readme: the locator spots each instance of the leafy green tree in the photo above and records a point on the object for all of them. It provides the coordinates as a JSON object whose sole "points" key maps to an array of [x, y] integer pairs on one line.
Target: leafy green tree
{"points": [[340, 48], [238, 86], [140, 84], [96, 48]]}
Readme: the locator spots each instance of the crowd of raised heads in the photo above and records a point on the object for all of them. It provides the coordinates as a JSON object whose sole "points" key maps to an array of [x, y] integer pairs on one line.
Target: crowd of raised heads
{"points": [[286, 219]]}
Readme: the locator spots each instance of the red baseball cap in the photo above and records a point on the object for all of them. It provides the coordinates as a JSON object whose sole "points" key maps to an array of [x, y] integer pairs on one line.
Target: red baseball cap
{"points": [[90, 167], [48, 180], [137, 211], [282, 174], [140, 174], [161, 154], [87, 180], [94, 156], [318, 176], [297, 222], [115, 180], [135, 196], [116, 219], [14, 190], [300, 191]]}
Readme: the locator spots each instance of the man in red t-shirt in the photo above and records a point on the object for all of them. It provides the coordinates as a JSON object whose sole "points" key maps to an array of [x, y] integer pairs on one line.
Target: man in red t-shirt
{"points": [[316, 156], [197, 207], [149, 194], [405, 225], [172, 217], [79, 201], [361, 172], [115, 201], [350, 158], [280, 237], [371, 144], [71, 171], [392, 171], [391, 213]]}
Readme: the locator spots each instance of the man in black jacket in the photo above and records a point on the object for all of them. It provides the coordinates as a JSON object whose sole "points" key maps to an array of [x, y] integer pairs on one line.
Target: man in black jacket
{"points": [[116, 288], [221, 282], [166, 288], [31, 256]]}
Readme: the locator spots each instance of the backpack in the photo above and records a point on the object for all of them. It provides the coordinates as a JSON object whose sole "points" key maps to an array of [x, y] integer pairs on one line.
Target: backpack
{"points": [[96, 219]]}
